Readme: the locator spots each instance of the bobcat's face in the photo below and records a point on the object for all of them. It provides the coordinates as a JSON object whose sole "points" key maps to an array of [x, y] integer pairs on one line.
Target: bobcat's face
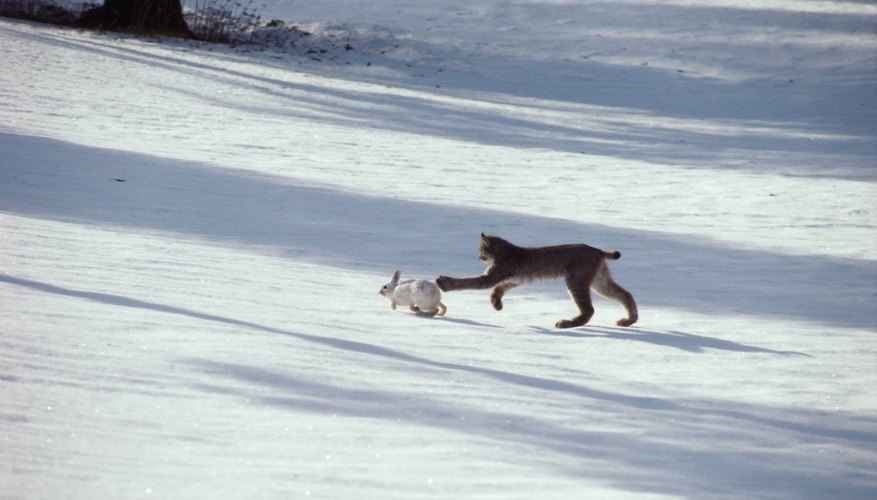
{"points": [[485, 252]]}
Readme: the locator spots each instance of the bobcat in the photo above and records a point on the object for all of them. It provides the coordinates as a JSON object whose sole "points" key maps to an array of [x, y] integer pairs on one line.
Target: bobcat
{"points": [[582, 266]]}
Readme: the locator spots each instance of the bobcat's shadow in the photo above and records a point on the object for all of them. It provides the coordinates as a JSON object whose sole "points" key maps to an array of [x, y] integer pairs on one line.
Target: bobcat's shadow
{"points": [[678, 340]]}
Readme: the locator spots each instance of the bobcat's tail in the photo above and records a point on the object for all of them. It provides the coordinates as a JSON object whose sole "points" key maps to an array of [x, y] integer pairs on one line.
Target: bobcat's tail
{"points": [[612, 255]]}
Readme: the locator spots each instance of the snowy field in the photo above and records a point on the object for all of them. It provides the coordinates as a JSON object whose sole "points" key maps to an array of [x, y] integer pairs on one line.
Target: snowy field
{"points": [[192, 239]]}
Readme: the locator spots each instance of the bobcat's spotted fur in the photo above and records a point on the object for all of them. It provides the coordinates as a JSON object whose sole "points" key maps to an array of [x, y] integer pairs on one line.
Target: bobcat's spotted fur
{"points": [[582, 266]]}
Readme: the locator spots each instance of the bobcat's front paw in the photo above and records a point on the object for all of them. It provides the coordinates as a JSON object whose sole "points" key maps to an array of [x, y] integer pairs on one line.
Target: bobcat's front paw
{"points": [[444, 283], [496, 301]]}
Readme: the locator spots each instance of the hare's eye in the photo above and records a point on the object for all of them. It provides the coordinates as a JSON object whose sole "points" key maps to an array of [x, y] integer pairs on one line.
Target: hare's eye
{"points": [[385, 287]]}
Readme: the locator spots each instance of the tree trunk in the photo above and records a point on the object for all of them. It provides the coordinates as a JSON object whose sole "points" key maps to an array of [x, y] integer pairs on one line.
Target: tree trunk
{"points": [[155, 17]]}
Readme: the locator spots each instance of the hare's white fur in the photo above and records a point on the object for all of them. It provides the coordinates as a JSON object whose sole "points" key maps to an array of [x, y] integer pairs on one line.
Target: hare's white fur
{"points": [[421, 296]]}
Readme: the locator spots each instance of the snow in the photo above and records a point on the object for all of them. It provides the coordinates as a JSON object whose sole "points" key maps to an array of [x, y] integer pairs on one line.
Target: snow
{"points": [[193, 238]]}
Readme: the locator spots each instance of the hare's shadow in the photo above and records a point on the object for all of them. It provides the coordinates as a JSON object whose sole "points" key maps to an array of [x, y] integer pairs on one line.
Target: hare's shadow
{"points": [[468, 322], [459, 321]]}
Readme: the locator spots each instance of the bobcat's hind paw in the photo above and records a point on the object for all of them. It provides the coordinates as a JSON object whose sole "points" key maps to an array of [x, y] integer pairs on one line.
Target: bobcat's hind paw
{"points": [[625, 321], [566, 323]]}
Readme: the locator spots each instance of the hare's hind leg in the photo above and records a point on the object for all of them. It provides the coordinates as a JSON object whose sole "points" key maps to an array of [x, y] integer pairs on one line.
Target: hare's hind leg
{"points": [[442, 309], [428, 312]]}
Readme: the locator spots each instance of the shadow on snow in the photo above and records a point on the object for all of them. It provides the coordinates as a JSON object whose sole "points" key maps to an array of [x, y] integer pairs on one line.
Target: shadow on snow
{"points": [[55, 180], [678, 340], [837, 119], [650, 457]]}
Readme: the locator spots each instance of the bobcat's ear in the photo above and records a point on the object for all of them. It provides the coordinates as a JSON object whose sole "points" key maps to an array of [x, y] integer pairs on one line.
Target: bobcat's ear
{"points": [[483, 236]]}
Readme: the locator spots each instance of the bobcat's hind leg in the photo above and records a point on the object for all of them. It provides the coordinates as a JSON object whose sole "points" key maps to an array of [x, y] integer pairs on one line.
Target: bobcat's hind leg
{"points": [[607, 287], [578, 289]]}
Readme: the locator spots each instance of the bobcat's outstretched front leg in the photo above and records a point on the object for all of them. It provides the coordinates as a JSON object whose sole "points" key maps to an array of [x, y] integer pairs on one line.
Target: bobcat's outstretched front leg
{"points": [[447, 283]]}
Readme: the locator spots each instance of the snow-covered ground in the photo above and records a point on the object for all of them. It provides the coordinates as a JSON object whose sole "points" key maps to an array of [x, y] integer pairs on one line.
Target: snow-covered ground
{"points": [[192, 239]]}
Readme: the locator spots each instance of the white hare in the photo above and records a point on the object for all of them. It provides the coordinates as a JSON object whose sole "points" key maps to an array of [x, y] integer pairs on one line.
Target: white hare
{"points": [[421, 296]]}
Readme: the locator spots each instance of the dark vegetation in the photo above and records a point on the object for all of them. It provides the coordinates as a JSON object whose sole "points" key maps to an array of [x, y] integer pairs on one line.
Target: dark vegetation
{"points": [[221, 21]]}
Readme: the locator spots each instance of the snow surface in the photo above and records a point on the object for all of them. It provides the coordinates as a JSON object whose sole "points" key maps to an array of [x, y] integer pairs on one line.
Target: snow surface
{"points": [[192, 239]]}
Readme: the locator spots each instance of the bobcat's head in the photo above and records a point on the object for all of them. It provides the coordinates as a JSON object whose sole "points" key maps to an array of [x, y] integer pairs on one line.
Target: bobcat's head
{"points": [[492, 248]]}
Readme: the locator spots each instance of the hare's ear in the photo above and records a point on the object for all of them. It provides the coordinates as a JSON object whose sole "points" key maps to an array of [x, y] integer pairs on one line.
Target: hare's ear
{"points": [[395, 277]]}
